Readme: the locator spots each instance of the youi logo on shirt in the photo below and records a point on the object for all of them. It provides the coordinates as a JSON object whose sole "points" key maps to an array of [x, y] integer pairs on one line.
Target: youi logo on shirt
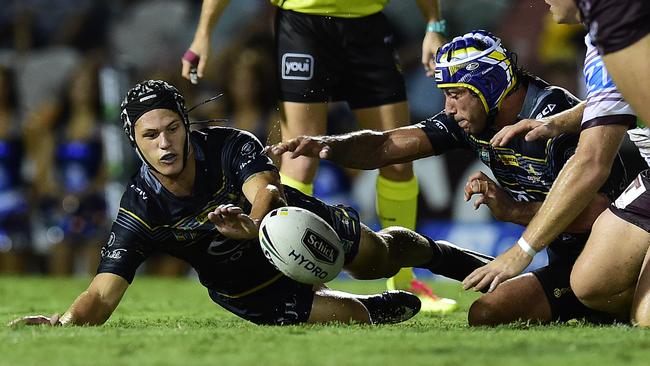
{"points": [[297, 66]]}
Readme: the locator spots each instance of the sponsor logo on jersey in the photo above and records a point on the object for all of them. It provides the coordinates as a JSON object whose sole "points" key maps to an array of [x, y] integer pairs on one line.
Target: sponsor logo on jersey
{"points": [[546, 111], [472, 66], [320, 248], [140, 192], [297, 66], [508, 159], [111, 240], [248, 148]]}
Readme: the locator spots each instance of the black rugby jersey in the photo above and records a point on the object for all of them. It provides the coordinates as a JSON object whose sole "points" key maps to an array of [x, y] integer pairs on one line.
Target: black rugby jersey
{"points": [[524, 169], [151, 219]]}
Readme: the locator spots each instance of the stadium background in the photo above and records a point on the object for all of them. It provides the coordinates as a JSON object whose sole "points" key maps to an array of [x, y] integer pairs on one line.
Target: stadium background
{"points": [[65, 64]]}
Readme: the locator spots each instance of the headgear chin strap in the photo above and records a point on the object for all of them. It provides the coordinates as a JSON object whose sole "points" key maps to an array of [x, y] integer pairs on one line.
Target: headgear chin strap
{"points": [[147, 96], [479, 62]]}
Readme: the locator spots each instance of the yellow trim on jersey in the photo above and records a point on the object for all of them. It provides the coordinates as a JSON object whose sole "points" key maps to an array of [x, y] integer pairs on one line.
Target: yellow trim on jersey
{"points": [[254, 289], [137, 218], [495, 148], [333, 8]]}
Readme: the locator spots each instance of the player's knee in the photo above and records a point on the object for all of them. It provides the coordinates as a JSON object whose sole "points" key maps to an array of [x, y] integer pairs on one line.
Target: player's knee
{"points": [[483, 313], [397, 171], [642, 321], [586, 291]]}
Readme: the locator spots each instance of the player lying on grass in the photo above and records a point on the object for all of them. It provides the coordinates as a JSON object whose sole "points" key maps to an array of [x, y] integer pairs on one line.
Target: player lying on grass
{"points": [[485, 92], [200, 197]]}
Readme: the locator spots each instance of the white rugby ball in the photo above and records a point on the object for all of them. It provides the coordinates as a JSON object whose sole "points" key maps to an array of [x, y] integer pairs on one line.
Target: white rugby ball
{"points": [[301, 245]]}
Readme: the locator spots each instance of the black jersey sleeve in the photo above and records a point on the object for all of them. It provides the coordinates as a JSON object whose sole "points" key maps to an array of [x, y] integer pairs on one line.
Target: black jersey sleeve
{"points": [[243, 156], [443, 133], [125, 249], [563, 147], [560, 150]]}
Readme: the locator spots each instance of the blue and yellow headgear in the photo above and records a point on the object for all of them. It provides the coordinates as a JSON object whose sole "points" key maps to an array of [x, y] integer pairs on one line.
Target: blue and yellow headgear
{"points": [[477, 61]]}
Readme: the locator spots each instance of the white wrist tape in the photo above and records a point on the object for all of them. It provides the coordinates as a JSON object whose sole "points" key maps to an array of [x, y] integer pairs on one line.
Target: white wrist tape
{"points": [[523, 244]]}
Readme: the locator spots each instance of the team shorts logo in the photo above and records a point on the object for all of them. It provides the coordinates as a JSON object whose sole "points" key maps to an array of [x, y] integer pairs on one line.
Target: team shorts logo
{"points": [[297, 66]]}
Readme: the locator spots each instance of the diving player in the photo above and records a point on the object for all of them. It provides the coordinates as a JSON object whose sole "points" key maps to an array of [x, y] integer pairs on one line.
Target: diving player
{"points": [[200, 197], [341, 50]]}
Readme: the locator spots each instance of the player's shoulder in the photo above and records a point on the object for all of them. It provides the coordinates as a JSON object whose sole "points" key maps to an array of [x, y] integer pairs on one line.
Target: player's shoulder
{"points": [[137, 195], [223, 133], [441, 121], [225, 139], [543, 100]]}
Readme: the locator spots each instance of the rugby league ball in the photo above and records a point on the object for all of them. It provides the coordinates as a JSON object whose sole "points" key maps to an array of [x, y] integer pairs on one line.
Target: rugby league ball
{"points": [[301, 245]]}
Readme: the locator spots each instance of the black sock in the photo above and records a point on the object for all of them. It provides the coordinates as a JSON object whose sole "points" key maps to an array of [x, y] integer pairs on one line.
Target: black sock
{"points": [[453, 262]]}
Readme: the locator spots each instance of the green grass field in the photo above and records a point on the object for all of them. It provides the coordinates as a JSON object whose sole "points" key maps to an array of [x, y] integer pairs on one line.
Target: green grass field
{"points": [[173, 322]]}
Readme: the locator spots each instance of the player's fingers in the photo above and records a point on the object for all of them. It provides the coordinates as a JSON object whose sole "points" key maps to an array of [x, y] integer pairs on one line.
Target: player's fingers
{"points": [[185, 71], [200, 68], [502, 137], [301, 147], [538, 133], [495, 282], [31, 320], [479, 201], [468, 191], [484, 282], [473, 278], [325, 152], [475, 175]]}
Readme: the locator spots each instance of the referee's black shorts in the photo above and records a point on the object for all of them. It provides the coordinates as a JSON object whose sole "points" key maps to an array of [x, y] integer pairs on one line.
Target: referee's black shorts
{"points": [[323, 59]]}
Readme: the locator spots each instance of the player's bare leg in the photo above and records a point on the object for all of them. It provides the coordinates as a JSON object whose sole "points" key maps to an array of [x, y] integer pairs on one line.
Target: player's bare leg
{"points": [[640, 314], [301, 119], [605, 275], [397, 194], [520, 298]]}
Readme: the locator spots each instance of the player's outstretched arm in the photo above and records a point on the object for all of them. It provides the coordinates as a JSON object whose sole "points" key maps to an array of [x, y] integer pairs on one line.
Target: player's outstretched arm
{"points": [[264, 191], [362, 149], [564, 122], [197, 54], [92, 307]]}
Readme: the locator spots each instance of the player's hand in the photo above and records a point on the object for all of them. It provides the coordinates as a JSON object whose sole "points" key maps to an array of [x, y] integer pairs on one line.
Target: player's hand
{"points": [[490, 194], [533, 128], [195, 59], [502, 268], [232, 222], [314, 147], [432, 41], [53, 320]]}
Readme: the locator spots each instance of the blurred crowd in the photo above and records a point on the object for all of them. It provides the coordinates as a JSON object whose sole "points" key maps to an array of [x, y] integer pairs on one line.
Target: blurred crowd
{"points": [[65, 64]]}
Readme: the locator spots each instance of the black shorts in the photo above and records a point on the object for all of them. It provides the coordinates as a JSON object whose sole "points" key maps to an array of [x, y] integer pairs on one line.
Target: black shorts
{"points": [[633, 205], [343, 219], [615, 24], [323, 59], [555, 280], [285, 301]]}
